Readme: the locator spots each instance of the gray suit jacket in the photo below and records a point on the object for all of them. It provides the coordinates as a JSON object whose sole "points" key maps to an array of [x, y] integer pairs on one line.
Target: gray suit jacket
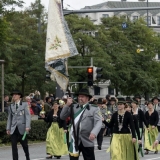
{"points": [[91, 122], [18, 118]]}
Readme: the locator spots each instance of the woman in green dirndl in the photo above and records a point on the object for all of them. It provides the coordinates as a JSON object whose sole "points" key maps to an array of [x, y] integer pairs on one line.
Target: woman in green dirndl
{"points": [[152, 132], [55, 142], [123, 142]]}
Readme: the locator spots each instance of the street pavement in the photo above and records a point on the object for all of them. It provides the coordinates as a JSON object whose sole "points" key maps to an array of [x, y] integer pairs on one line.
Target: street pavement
{"points": [[38, 152]]}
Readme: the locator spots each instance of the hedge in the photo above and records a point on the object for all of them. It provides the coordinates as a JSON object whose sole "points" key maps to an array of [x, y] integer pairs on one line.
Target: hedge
{"points": [[3, 116], [37, 133]]}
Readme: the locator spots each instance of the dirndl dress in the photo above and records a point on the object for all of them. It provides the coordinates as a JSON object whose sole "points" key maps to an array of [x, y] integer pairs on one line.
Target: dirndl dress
{"points": [[55, 141], [149, 138], [122, 148]]}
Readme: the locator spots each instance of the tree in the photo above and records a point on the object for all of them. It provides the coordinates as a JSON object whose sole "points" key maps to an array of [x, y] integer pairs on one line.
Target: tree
{"points": [[131, 72], [88, 45], [26, 68]]}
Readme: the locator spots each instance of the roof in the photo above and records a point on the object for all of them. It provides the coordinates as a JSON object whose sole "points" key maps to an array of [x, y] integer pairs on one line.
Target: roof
{"points": [[120, 4]]}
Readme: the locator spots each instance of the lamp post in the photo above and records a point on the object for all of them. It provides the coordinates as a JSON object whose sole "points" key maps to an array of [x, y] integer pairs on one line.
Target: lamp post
{"points": [[2, 83]]}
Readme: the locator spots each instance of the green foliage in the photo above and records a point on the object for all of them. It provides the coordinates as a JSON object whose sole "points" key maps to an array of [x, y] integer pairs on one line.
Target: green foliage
{"points": [[22, 46], [37, 133], [3, 116], [88, 45], [131, 72], [114, 49]]}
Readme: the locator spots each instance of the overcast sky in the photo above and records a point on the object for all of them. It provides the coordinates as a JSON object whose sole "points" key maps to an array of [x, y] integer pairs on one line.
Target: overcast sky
{"points": [[77, 4]]}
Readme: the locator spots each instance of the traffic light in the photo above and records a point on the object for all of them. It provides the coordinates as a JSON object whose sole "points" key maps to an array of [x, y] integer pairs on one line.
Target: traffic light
{"points": [[90, 76], [96, 73]]}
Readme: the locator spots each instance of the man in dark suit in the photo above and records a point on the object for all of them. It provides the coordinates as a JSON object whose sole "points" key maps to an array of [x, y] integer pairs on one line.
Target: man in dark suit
{"points": [[18, 123]]}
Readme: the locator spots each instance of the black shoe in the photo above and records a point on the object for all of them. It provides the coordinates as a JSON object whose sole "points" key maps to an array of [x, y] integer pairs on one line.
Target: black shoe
{"points": [[99, 147], [58, 157], [156, 152], [49, 157]]}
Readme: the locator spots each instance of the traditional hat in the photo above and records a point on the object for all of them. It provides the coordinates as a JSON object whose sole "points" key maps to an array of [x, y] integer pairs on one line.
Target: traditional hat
{"points": [[100, 101], [155, 98], [84, 92], [33, 101], [17, 92], [137, 96], [113, 99], [121, 100], [128, 100], [134, 101]]}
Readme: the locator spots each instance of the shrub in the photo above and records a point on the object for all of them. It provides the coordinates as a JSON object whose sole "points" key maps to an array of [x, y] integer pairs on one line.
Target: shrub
{"points": [[37, 133]]}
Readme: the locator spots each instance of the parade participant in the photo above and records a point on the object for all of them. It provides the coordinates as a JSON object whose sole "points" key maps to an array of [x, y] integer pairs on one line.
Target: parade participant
{"points": [[47, 105], [112, 107], [103, 110], [122, 144], [156, 104], [18, 123], [150, 135], [135, 121], [85, 126], [138, 113], [157, 141], [140, 106], [55, 145]]}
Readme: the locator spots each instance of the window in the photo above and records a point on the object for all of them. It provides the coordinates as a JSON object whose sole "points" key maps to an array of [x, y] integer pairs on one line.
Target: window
{"points": [[105, 15], [158, 20], [110, 91], [96, 90], [149, 20], [135, 18], [96, 34], [153, 20]]}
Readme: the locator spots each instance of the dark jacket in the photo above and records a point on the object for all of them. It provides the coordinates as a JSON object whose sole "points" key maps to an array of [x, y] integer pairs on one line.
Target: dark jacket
{"points": [[49, 119], [153, 118]]}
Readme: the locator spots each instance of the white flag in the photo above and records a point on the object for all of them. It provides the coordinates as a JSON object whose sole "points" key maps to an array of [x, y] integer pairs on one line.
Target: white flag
{"points": [[59, 44]]}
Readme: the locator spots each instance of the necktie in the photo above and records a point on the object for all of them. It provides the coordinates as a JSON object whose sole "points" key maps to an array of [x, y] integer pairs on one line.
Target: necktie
{"points": [[16, 106], [81, 106]]}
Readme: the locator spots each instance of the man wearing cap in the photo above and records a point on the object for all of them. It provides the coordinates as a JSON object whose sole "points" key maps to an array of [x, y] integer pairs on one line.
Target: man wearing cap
{"points": [[18, 123], [87, 124], [156, 105]]}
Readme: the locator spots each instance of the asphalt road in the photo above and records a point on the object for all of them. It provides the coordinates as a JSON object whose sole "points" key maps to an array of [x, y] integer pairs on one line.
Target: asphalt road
{"points": [[37, 152]]}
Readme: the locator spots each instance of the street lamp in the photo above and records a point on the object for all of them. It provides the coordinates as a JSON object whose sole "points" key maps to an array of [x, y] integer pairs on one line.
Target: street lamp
{"points": [[2, 83]]}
